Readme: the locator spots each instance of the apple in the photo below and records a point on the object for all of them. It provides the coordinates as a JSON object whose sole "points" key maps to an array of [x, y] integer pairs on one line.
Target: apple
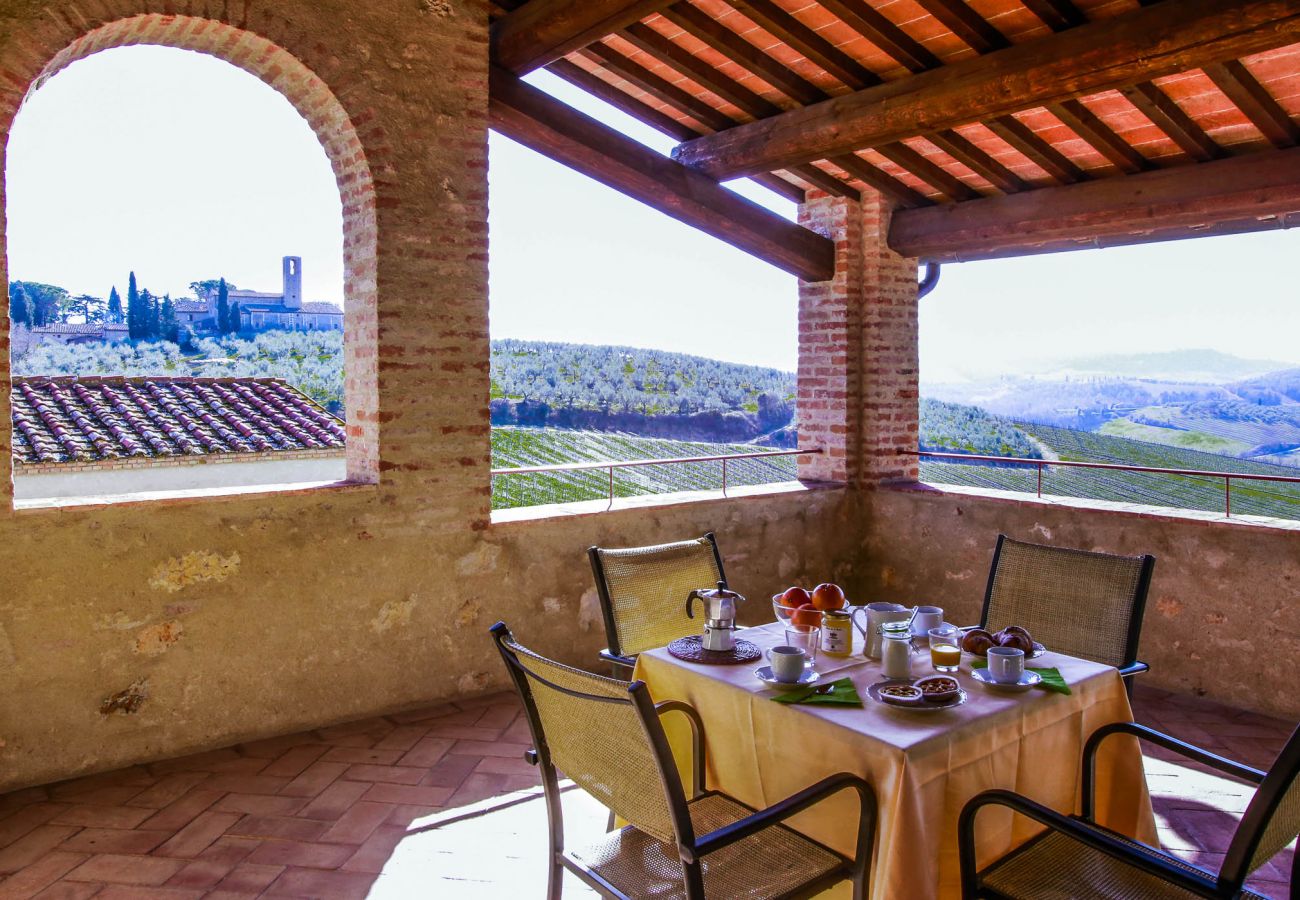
{"points": [[807, 615], [795, 597], [827, 596]]}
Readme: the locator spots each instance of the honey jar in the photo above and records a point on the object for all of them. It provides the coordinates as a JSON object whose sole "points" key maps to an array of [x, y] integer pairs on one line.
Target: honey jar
{"points": [[837, 632]]}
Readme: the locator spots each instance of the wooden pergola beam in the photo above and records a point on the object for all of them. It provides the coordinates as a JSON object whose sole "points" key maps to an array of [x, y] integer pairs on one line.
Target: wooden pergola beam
{"points": [[1248, 193], [542, 31], [525, 114], [1108, 54]]}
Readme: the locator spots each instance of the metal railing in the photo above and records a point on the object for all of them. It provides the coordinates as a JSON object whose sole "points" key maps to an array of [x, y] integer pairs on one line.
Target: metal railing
{"points": [[1040, 464], [633, 463]]}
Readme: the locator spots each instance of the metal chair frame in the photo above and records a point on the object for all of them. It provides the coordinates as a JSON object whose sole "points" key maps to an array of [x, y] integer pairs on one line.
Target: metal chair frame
{"points": [[1131, 666], [620, 662], [1271, 787], [691, 849]]}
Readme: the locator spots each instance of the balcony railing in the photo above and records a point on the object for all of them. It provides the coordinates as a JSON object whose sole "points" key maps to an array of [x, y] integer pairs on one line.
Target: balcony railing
{"points": [[571, 482], [1277, 503]]}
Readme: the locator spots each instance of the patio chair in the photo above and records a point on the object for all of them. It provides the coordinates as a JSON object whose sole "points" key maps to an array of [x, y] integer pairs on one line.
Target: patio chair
{"points": [[1078, 602], [605, 735], [643, 594], [1075, 857]]}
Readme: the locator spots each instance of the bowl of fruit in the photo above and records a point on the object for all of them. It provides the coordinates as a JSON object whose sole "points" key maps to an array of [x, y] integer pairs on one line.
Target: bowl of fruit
{"points": [[797, 606]]}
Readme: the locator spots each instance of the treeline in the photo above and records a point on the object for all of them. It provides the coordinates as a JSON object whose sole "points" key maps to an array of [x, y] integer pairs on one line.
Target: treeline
{"points": [[629, 380], [957, 428], [147, 315]]}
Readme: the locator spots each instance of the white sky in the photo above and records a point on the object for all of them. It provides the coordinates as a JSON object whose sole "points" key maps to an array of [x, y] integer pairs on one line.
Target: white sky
{"points": [[184, 167]]}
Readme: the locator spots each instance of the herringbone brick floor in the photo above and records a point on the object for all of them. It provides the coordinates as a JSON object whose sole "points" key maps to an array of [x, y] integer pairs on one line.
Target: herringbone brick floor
{"points": [[373, 808]]}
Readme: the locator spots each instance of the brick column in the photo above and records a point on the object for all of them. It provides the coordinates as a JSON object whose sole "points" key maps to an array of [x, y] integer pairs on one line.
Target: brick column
{"points": [[858, 349]]}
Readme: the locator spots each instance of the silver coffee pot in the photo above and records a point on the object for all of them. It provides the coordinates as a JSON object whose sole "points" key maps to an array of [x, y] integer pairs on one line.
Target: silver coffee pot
{"points": [[719, 615]]}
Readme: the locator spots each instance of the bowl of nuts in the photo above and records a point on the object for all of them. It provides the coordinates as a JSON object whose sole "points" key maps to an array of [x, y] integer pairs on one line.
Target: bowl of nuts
{"points": [[899, 694], [938, 688]]}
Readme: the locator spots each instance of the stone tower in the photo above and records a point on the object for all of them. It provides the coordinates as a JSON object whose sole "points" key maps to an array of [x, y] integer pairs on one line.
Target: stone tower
{"points": [[293, 282]]}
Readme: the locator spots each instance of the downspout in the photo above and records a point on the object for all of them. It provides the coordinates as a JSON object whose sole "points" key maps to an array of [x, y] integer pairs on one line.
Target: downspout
{"points": [[930, 281]]}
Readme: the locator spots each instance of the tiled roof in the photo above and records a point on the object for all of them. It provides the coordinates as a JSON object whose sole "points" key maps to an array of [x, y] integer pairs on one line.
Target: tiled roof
{"points": [[91, 418], [191, 306], [69, 328], [316, 307]]}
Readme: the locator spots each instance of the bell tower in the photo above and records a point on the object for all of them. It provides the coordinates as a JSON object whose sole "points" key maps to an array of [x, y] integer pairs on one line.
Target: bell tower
{"points": [[293, 282]]}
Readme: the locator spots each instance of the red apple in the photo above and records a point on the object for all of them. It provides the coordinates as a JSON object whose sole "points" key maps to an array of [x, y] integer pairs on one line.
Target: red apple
{"points": [[795, 597], [827, 596]]}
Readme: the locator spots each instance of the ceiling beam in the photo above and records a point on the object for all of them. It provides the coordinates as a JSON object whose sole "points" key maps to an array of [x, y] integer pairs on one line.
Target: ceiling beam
{"points": [[1255, 102], [1098, 135], [1108, 54], [1170, 118], [798, 36], [978, 33], [884, 34], [1248, 193], [525, 114], [542, 31]]}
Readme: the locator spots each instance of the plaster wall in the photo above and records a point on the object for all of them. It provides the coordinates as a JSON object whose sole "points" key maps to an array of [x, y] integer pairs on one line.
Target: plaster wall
{"points": [[106, 482], [1223, 613]]}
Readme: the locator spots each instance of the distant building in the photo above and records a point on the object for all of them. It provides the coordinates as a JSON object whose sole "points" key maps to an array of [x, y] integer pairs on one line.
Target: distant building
{"points": [[97, 436], [78, 333], [260, 311]]}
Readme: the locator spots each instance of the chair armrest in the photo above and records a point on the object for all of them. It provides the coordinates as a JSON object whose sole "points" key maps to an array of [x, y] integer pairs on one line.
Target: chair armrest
{"points": [[628, 662], [531, 757], [697, 740], [1132, 669], [796, 803], [1205, 886], [1227, 766]]}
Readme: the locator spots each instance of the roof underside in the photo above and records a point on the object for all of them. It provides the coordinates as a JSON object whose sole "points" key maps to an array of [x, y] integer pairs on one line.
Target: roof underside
{"points": [[702, 67]]}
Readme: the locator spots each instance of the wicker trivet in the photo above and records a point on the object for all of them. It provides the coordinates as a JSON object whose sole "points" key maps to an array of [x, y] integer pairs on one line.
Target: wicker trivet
{"points": [[690, 649]]}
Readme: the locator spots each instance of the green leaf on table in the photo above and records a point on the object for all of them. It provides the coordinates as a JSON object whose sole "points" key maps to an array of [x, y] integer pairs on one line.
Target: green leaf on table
{"points": [[842, 693]]}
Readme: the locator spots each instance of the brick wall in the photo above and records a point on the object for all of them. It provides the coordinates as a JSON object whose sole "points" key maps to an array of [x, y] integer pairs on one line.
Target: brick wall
{"points": [[858, 337]]}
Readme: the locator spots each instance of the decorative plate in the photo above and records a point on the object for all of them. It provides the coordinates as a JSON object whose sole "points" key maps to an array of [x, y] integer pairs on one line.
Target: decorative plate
{"points": [[1029, 679], [923, 706], [691, 649]]}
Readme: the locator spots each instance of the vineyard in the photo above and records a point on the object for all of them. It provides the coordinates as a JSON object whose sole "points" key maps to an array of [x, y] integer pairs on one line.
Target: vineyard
{"points": [[1177, 491], [526, 447]]}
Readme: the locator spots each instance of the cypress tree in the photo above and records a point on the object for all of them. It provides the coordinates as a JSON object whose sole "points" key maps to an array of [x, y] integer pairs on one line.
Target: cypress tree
{"points": [[167, 319], [234, 317], [151, 315], [223, 308], [137, 316], [114, 313], [20, 305]]}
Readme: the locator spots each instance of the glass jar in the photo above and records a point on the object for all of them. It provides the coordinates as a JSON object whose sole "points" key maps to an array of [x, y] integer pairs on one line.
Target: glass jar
{"points": [[837, 633], [896, 649]]}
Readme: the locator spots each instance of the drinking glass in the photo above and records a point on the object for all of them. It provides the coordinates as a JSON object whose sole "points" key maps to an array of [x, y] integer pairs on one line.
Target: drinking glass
{"points": [[945, 651], [806, 638]]}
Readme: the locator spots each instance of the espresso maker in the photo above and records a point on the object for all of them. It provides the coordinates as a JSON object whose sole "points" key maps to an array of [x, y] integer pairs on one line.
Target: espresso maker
{"points": [[719, 616]]}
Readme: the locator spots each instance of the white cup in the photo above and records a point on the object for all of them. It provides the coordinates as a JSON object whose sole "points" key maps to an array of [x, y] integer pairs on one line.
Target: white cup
{"points": [[787, 663], [1006, 664], [927, 617]]}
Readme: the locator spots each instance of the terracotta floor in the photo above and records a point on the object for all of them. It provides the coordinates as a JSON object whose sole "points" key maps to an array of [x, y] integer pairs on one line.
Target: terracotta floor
{"points": [[387, 807]]}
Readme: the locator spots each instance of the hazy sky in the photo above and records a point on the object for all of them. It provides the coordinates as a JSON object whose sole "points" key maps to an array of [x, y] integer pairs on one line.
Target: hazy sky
{"points": [[183, 167]]}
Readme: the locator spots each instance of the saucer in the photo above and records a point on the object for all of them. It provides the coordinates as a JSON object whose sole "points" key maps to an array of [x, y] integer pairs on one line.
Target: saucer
{"points": [[1027, 680], [808, 676]]}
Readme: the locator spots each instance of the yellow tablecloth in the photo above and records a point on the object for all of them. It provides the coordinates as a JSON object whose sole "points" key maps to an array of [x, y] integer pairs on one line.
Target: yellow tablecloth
{"points": [[923, 766]]}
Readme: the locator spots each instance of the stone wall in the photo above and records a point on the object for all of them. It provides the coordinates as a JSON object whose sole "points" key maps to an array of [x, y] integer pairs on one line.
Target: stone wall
{"points": [[1223, 614]]}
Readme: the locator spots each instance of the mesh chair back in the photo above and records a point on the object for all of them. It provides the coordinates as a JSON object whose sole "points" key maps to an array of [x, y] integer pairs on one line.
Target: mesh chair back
{"points": [[1084, 604], [593, 733], [643, 591], [1273, 814]]}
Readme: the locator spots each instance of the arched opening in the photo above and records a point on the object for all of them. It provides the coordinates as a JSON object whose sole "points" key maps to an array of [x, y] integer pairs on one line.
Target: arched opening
{"points": [[294, 309]]}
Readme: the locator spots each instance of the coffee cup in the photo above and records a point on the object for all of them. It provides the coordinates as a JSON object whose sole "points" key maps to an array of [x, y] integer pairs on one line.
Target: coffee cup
{"points": [[927, 617], [1006, 664], [787, 663]]}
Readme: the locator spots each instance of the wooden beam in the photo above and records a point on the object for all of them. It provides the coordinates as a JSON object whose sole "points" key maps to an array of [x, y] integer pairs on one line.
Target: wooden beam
{"points": [[542, 31], [1057, 15], [1112, 53], [892, 40], [525, 114], [1255, 102], [795, 34], [661, 88], [598, 87], [880, 180], [1036, 150], [979, 162], [1247, 193], [931, 173], [1169, 117], [978, 33], [1085, 123]]}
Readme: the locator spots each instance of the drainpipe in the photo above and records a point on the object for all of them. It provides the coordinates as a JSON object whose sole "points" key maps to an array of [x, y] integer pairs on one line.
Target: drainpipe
{"points": [[930, 281]]}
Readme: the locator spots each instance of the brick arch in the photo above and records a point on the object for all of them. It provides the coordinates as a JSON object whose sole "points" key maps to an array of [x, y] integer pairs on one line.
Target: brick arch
{"points": [[73, 36]]}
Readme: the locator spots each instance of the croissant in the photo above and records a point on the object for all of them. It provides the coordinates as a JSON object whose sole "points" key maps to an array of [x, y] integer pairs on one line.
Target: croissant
{"points": [[977, 641]]}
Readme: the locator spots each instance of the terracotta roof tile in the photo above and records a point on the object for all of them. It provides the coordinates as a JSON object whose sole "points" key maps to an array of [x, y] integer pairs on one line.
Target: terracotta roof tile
{"points": [[92, 418]]}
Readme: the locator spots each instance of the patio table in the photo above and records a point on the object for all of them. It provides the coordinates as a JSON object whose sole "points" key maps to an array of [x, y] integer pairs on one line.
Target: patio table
{"points": [[924, 766]]}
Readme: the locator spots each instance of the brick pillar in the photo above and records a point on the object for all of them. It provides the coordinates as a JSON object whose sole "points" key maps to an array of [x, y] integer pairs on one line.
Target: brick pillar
{"points": [[858, 349]]}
